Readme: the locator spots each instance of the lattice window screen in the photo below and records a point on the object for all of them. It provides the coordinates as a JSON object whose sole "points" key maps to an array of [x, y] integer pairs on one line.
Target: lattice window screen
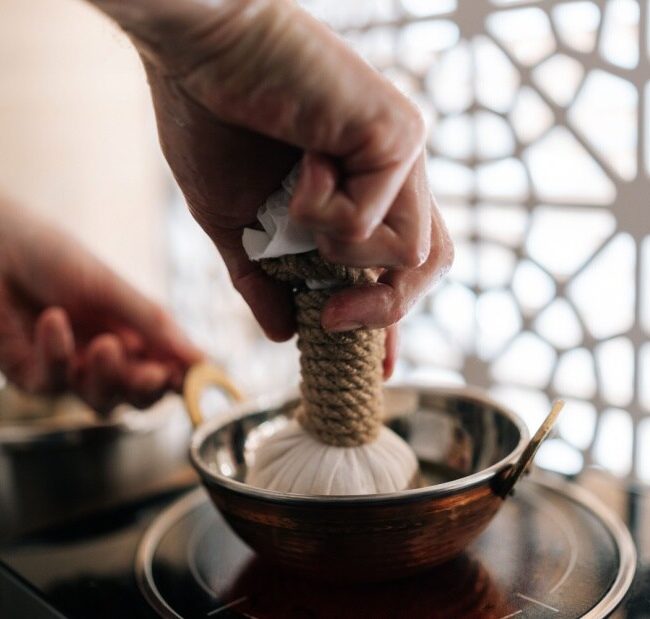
{"points": [[539, 158], [538, 155]]}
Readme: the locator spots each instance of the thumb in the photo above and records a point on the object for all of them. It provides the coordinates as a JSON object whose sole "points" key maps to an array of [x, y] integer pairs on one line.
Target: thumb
{"points": [[270, 301]]}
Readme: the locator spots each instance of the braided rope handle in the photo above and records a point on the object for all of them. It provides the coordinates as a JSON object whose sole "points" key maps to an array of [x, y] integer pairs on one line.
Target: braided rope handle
{"points": [[342, 373]]}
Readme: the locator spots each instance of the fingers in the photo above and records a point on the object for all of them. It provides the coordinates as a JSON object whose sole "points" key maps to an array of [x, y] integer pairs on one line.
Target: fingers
{"points": [[35, 351], [109, 370], [42, 360], [318, 205], [401, 240], [385, 248], [106, 376], [270, 301], [273, 78], [154, 328], [146, 382], [174, 345], [99, 378], [144, 335], [376, 171], [54, 347], [392, 346], [386, 302]]}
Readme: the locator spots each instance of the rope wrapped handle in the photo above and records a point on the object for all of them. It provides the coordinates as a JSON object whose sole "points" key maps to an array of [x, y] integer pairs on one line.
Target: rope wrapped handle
{"points": [[342, 373]]}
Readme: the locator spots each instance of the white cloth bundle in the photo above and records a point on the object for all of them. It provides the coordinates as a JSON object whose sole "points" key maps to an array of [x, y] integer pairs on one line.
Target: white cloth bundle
{"points": [[294, 461]]}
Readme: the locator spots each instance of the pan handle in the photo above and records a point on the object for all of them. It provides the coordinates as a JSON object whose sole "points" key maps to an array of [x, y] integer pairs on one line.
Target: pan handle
{"points": [[508, 477], [200, 376]]}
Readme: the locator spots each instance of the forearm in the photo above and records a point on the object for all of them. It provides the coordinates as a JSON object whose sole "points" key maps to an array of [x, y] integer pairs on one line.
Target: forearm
{"points": [[168, 32], [26, 239], [15, 223]]}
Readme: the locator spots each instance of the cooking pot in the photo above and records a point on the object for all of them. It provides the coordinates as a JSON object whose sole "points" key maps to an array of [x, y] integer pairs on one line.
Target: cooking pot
{"points": [[471, 450], [59, 460]]}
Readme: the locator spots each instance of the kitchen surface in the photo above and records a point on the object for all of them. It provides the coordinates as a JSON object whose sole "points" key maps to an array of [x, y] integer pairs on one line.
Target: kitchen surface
{"points": [[565, 547], [549, 553], [538, 155]]}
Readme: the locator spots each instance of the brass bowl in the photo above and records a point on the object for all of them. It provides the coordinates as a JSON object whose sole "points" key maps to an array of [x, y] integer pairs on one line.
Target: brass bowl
{"points": [[469, 448]]}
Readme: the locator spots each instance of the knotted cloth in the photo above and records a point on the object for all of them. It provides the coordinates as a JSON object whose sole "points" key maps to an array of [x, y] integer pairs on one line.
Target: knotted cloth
{"points": [[342, 373]]}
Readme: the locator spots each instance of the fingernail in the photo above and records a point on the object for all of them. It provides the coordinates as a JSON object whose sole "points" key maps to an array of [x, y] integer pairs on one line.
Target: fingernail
{"points": [[305, 176], [318, 199], [344, 326], [319, 183]]}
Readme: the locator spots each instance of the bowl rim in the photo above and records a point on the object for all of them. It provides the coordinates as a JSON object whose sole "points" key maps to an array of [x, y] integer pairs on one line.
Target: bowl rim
{"points": [[477, 395]]}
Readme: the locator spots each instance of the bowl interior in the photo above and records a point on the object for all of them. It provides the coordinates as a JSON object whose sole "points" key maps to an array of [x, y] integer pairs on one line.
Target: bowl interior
{"points": [[455, 433]]}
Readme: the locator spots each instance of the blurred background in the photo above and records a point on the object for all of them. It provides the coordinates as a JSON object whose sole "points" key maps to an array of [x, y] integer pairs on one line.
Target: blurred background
{"points": [[539, 156]]}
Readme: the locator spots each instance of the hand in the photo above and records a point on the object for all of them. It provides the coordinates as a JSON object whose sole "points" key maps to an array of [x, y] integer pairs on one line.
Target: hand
{"points": [[68, 323], [243, 90]]}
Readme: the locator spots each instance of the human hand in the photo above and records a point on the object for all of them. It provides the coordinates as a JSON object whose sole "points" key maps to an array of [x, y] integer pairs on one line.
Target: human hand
{"points": [[245, 88], [69, 323]]}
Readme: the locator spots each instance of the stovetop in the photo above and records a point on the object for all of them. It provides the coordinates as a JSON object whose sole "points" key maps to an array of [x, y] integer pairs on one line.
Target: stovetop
{"points": [[80, 571], [89, 569]]}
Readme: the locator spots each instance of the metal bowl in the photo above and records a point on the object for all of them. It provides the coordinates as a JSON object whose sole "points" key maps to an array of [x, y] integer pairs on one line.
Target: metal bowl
{"points": [[468, 446]]}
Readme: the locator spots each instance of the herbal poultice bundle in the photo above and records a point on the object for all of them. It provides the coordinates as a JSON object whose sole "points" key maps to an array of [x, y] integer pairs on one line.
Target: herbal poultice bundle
{"points": [[336, 444]]}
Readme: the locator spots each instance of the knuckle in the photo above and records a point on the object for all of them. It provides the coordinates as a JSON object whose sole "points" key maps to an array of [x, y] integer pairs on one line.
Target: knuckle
{"points": [[445, 253], [396, 133], [354, 229], [310, 215], [102, 350], [448, 255], [414, 124], [405, 131], [412, 256], [396, 312], [350, 222], [54, 312]]}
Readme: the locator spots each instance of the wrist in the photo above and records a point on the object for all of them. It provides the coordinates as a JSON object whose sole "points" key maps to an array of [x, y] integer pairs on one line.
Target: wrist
{"points": [[170, 34]]}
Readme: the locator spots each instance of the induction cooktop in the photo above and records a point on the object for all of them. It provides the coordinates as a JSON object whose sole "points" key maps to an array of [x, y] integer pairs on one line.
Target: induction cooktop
{"points": [[554, 550]]}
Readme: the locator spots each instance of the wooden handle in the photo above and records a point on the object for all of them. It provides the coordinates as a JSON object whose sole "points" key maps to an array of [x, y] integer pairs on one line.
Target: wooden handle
{"points": [[199, 377], [506, 482]]}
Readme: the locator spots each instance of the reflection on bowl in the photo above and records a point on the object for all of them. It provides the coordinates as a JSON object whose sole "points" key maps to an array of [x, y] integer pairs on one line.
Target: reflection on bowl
{"points": [[465, 444]]}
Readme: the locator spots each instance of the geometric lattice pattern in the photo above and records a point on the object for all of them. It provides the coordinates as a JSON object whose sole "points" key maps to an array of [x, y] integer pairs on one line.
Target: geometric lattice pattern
{"points": [[538, 156]]}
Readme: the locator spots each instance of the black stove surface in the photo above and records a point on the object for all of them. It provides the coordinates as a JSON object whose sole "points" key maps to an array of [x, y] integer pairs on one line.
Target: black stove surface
{"points": [[80, 571], [547, 553], [88, 570]]}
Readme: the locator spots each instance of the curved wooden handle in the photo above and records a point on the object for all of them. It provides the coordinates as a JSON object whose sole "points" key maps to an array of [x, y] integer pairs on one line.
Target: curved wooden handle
{"points": [[199, 377], [506, 481]]}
